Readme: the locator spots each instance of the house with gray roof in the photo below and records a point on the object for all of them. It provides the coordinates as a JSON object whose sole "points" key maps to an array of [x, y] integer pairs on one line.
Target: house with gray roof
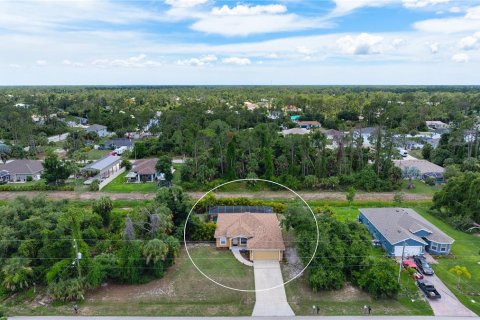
{"points": [[404, 230], [21, 170], [99, 129], [102, 169]]}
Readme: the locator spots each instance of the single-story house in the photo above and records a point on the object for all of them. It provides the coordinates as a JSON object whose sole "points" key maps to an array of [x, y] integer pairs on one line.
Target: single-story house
{"points": [[213, 212], [143, 170], [257, 233], [300, 131], [425, 168], [434, 125], [99, 129], [20, 170], [113, 144], [404, 230], [103, 168], [309, 124]]}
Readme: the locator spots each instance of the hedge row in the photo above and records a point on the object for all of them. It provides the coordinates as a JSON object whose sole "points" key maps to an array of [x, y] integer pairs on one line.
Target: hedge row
{"points": [[210, 201], [36, 187]]}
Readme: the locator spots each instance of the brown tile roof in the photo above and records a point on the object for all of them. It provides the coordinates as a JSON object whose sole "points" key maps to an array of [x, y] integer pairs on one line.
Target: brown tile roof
{"points": [[145, 166], [261, 230], [23, 167]]}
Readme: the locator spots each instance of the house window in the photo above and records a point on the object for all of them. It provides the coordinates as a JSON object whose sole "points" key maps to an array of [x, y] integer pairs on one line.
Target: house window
{"points": [[223, 241], [433, 246], [443, 247], [243, 240]]}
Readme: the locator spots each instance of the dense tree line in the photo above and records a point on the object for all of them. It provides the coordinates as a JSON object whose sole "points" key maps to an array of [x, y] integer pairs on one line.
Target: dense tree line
{"points": [[39, 240], [342, 254]]}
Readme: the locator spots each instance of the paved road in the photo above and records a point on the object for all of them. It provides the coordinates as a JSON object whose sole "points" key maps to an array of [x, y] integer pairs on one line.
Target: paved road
{"points": [[245, 318], [271, 302], [448, 305], [338, 196]]}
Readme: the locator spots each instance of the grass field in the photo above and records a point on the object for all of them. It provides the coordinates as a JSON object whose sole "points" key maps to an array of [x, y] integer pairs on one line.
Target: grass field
{"points": [[420, 188], [119, 185], [97, 154], [182, 292]]}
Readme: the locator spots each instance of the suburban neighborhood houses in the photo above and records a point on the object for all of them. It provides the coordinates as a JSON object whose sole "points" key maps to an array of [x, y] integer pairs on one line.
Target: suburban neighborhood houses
{"points": [[21, 170], [403, 232]]}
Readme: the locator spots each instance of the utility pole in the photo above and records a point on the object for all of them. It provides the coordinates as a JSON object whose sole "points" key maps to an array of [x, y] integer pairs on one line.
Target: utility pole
{"points": [[401, 262], [78, 256]]}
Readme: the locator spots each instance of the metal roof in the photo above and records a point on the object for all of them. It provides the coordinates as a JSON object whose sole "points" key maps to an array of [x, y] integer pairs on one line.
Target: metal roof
{"points": [[239, 209], [103, 163]]}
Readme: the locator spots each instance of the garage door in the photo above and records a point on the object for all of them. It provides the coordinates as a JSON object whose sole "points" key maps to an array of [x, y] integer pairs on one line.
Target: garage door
{"points": [[265, 255], [409, 251]]}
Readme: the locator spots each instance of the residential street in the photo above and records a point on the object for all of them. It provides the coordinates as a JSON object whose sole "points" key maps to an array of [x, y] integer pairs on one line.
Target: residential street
{"points": [[245, 318], [339, 196], [448, 305]]}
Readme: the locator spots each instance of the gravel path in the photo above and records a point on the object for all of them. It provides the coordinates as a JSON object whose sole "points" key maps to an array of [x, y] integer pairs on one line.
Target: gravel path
{"points": [[340, 196]]}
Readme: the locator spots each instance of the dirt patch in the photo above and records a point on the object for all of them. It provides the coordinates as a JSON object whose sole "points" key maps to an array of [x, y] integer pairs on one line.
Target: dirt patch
{"points": [[293, 266]]}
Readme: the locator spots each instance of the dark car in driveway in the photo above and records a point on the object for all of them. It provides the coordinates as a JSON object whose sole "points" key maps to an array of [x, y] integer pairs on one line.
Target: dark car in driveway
{"points": [[423, 265], [428, 289]]}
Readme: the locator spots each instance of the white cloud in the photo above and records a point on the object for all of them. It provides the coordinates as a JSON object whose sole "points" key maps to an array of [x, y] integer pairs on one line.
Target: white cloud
{"points": [[41, 63], [198, 62], [132, 62], [422, 3], [344, 7], [13, 65], [362, 44], [305, 50], [461, 57], [185, 3], [248, 10], [468, 43], [469, 22], [434, 47], [237, 25], [237, 61]]}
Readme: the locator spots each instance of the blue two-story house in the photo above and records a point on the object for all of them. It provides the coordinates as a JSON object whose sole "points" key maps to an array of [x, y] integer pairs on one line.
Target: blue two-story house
{"points": [[402, 230]]}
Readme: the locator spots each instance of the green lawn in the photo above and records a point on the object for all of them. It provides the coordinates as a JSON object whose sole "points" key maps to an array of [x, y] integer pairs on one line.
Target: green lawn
{"points": [[182, 292], [97, 154], [420, 188], [119, 185]]}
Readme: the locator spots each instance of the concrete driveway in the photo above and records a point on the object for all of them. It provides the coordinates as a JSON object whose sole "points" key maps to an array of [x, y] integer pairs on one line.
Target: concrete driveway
{"points": [[448, 304], [271, 302]]}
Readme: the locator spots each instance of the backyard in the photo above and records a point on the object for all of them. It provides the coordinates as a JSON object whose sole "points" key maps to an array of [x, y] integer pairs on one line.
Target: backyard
{"points": [[119, 185]]}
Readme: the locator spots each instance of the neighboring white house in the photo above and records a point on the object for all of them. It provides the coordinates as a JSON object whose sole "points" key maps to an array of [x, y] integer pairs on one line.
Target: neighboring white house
{"points": [[102, 169], [99, 129], [21, 170]]}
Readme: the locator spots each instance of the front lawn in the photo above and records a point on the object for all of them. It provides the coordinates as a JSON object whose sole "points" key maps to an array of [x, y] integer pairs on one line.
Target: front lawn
{"points": [[182, 292], [119, 185]]}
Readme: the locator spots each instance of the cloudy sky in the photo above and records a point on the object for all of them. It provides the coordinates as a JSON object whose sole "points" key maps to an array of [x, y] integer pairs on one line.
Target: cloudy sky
{"points": [[249, 42]]}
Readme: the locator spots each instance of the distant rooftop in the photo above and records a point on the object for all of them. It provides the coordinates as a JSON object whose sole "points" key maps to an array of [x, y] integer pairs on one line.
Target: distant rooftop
{"points": [[239, 209]]}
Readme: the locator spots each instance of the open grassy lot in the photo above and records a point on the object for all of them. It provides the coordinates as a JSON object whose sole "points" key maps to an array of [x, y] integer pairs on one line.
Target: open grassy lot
{"points": [[119, 185], [350, 300], [97, 154], [420, 188], [182, 292]]}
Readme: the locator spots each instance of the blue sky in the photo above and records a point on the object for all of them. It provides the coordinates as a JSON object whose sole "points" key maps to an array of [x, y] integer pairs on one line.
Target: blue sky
{"points": [[246, 42]]}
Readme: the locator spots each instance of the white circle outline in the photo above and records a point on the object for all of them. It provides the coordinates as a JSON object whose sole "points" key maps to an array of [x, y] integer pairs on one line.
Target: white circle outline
{"points": [[250, 290]]}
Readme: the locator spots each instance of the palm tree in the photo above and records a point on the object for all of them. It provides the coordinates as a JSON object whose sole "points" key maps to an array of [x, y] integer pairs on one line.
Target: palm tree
{"points": [[155, 250], [16, 274], [460, 271]]}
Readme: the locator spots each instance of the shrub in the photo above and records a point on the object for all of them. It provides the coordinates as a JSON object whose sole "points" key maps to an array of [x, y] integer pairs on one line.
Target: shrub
{"points": [[126, 164], [94, 186], [430, 181], [29, 178], [35, 187]]}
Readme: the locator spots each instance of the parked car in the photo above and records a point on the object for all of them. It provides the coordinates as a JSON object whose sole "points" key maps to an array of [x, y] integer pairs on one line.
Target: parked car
{"points": [[423, 265], [428, 289]]}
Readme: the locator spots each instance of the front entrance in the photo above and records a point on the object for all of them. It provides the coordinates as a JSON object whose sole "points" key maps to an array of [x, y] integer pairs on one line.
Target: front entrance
{"points": [[239, 242]]}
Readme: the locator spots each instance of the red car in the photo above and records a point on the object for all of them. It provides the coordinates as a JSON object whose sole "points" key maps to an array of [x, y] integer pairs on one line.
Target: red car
{"points": [[411, 264]]}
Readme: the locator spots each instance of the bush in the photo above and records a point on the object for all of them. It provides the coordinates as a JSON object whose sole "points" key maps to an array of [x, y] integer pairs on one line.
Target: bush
{"points": [[29, 179], [94, 186], [35, 187], [126, 164], [430, 181]]}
